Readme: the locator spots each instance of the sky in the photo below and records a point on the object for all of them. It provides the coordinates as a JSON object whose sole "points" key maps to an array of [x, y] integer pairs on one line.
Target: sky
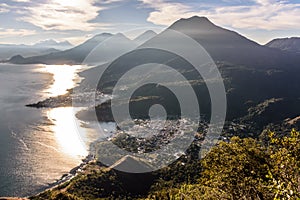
{"points": [[27, 22]]}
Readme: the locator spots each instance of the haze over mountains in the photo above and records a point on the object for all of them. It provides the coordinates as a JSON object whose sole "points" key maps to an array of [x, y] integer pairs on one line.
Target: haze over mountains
{"points": [[221, 44], [70, 56], [111, 48], [8, 50], [53, 44], [286, 44], [145, 37], [107, 45], [40, 48]]}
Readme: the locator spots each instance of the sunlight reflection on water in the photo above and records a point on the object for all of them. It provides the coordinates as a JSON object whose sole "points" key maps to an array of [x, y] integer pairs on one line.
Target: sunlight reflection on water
{"points": [[66, 126], [64, 77], [66, 131]]}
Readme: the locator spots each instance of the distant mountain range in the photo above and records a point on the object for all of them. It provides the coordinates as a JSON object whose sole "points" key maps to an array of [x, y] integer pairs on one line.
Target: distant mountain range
{"points": [[7, 51], [70, 56], [108, 50], [53, 44], [286, 44], [40, 48], [107, 45], [222, 45]]}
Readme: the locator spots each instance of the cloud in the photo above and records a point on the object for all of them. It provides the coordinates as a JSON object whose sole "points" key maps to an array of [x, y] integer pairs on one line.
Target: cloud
{"points": [[261, 14], [63, 15], [166, 12], [15, 32], [23, 1], [4, 8], [111, 1]]}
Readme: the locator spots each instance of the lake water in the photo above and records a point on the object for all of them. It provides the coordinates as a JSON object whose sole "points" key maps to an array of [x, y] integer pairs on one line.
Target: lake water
{"points": [[37, 146]]}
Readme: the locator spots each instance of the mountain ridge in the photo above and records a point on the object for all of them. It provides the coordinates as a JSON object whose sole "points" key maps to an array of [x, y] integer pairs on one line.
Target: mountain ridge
{"points": [[71, 56], [50, 43], [222, 44], [291, 44], [145, 36], [227, 45]]}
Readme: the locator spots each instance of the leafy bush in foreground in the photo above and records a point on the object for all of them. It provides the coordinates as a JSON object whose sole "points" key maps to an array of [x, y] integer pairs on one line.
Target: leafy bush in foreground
{"points": [[246, 169]]}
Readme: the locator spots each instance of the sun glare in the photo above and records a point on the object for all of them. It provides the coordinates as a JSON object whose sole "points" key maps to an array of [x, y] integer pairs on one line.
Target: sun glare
{"points": [[67, 132], [64, 78], [65, 126]]}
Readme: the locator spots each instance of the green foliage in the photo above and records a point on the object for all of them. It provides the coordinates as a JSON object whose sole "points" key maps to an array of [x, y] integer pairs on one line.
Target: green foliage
{"points": [[245, 169], [236, 170], [96, 183], [285, 165]]}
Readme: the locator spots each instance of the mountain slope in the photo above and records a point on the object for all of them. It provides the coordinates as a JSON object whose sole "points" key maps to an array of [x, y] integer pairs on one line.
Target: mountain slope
{"points": [[286, 44], [110, 49], [145, 37], [229, 46]]}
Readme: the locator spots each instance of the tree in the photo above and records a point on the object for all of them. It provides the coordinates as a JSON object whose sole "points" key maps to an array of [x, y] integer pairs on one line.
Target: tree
{"points": [[236, 170], [285, 165]]}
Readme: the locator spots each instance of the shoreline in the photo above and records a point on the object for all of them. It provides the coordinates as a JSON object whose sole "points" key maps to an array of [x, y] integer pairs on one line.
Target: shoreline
{"points": [[64, 100], [67, 176], [72, 173], [56, 102], [36, 86]]}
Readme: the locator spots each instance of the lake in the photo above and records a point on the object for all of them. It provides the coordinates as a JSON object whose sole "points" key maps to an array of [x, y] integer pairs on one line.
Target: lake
{"points": [[37, 146]]}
